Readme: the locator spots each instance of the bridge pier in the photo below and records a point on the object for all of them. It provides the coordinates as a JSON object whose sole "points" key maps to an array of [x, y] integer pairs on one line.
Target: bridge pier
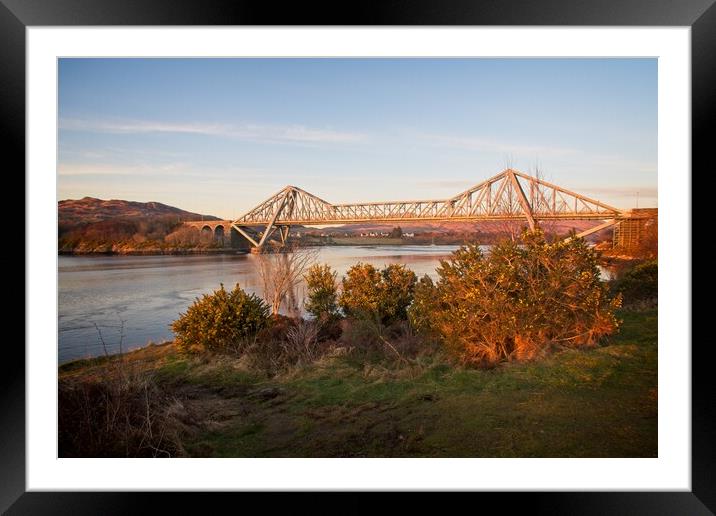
{"points": [[630, 232], [258, 242]]}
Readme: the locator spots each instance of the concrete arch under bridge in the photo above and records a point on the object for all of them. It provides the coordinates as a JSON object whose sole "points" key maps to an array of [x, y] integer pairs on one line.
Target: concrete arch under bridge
{"points": [[220, 232], [508, 196]]}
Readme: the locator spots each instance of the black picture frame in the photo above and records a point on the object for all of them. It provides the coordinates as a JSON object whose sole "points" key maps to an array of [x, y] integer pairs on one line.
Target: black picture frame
{"points": [[17, 15]]}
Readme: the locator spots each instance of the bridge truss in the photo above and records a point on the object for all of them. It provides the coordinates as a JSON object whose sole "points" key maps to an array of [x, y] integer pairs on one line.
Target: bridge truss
{"points": [[510, 195]]}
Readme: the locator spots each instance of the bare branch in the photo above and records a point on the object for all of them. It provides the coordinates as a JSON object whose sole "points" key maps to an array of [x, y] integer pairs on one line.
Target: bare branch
{"points": [[281, 272]]}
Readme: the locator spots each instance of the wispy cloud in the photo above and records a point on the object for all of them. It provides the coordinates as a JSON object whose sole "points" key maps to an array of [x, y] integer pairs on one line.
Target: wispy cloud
{"points": [[250, 132], [647, 192], [104, 169], [490, 145]]}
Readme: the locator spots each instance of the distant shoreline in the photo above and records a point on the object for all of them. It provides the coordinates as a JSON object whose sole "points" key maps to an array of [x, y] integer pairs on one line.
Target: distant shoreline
{"points": [[153, 252]]}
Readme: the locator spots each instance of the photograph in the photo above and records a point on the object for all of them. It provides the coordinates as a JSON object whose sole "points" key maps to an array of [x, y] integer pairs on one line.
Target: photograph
{"points": [[357, 257]]}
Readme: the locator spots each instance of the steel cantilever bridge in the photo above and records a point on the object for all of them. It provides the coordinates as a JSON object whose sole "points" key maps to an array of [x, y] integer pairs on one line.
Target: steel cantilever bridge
{"points": [[510, 195]]}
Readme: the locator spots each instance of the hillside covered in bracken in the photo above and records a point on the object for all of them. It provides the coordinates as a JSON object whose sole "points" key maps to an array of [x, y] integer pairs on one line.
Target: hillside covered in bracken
{"points": [[96, 225], [90, 209]]}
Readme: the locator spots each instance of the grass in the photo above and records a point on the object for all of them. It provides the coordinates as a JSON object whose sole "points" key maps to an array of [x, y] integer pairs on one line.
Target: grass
{"points": [[600, 402]]}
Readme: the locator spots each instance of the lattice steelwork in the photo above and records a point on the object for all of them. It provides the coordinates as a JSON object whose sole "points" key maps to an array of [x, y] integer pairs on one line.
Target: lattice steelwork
{"points": [[510, 195]]}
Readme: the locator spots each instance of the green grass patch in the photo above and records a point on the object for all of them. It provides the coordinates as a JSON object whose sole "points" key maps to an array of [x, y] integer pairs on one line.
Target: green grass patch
{"points": [[598, 402], [214, 373], [82, 363]]}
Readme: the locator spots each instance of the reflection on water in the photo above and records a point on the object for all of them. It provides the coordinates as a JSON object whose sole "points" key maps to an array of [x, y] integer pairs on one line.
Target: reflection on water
{"points": [[149, 292]]}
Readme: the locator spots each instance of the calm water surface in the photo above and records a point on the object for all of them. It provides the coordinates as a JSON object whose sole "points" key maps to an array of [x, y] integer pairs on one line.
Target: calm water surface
{"points": [[149, 292]]}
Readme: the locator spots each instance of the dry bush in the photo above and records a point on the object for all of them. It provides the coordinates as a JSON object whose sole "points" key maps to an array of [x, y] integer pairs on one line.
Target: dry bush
{"points": [[302, 341], [281, 271], [361, 334], [515, 302], [370, 340], [285, 344], [121, 414], [406, 342]]}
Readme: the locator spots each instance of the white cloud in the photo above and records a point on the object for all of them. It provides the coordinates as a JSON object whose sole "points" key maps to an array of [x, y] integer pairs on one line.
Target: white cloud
{"points": [[103, 169], [487, 145], [251, 132]]}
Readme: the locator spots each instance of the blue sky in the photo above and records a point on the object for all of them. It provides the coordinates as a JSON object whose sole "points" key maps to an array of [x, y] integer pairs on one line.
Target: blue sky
{"points": [[217, 136]]}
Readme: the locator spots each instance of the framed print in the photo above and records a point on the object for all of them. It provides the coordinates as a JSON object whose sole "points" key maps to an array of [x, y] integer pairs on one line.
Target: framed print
{"points": [[229, 303]]}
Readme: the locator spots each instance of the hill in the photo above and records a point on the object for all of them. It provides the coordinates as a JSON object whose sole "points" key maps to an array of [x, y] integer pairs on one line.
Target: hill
{"points": [[72, 212], [91, 225]]}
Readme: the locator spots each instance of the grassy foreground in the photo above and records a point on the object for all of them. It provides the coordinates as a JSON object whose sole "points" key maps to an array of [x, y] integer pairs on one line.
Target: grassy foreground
{"points": [[600, 402]]}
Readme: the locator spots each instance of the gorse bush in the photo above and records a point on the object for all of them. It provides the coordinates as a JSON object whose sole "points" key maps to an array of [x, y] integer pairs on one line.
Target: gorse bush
{"points": [[396, 292], [321, 292], [221, 321], [383, 296], [639, 284], [516, 301], [361, 291]]}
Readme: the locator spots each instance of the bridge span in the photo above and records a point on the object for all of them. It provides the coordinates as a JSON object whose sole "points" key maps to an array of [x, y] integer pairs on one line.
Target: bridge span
{"points": [[509, 195]]}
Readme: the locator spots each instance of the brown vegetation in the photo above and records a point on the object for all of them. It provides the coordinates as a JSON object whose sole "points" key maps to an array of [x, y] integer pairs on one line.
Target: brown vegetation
{"points": [[120, 412], [516, 302], [95, 225], [281, 272]]}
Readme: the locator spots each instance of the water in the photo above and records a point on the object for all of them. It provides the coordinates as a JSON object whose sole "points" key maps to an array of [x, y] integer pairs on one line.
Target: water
{"points": [[149, 292]]}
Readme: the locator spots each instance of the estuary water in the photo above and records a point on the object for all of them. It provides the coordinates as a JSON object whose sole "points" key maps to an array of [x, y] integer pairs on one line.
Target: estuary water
{"points": [[97, 293]]}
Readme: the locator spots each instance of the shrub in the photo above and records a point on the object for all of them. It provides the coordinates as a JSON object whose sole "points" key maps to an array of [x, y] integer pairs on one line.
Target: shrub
{"points": [[322, 292], [370, 341], [285, 344], [396, 293], [420, 311], [639, 284], [221, 321], [515, 302], [281, 272], [123, 414], [383, 296], [361, 291]]}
